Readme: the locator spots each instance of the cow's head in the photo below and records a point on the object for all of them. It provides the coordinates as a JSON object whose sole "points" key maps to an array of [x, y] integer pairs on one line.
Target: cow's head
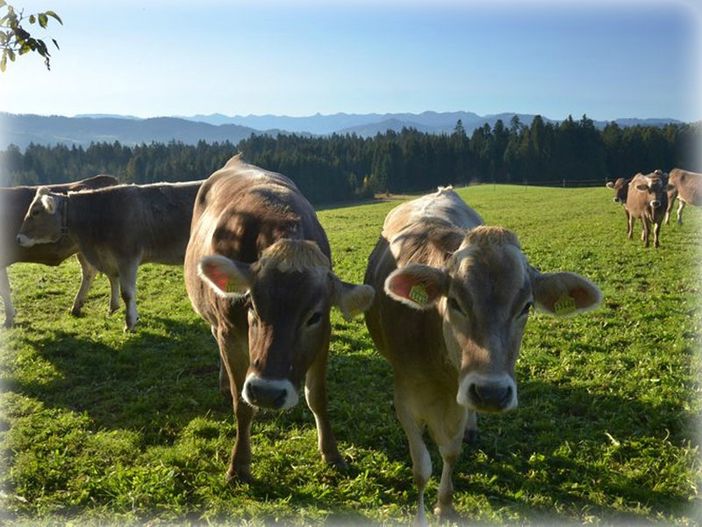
{"points": [[655, 186], [45, 221], [484, 295], [289, 292], [621, 189]]}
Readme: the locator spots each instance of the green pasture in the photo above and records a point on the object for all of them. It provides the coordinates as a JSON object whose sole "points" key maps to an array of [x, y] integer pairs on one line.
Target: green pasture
{"points": [[103, 427]]}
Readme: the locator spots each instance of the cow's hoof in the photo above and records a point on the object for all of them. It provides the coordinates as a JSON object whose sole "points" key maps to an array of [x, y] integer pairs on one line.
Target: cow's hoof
{"points": [[446, 513], [76, 312], [243, 475], [339, 464], [8, 323], [471, 436]]}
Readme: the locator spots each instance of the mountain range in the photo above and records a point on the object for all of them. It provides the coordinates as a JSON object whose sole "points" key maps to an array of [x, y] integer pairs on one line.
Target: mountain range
{"points": [[23, 129]]}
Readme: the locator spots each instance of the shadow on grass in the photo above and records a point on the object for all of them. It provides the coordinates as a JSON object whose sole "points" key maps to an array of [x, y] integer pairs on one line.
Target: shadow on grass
{"points": [[158, 384]]}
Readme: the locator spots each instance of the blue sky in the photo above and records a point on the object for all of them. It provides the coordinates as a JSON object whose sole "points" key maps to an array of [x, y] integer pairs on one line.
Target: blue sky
{"points": [[151, 58]]}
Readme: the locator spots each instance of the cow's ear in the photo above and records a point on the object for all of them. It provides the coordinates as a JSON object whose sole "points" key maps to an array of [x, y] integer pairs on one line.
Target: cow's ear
{"points": [[48, 202], [564, 294], [418, 286], [610, 184], [351, 299], [226, 277]]}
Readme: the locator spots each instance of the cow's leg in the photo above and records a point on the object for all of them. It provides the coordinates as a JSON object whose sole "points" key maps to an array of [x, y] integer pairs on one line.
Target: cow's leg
{"points": [[235, 358], [668, 209], [223, 376], [470, 435], [6, 294], [644, 232], [88, 273], [421, 462], [127, 285], [114, 292], [449, 450], [656, 234], [681, 206], [316, 396], [629, 224]]}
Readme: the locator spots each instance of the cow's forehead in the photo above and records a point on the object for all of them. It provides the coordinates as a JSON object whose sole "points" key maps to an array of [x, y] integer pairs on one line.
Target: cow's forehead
{"points": [[290, 288], [499, 268]]}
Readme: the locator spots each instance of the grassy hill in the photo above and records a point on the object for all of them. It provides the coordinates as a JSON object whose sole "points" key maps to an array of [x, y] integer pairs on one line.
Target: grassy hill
{"points": [[99, 426]]}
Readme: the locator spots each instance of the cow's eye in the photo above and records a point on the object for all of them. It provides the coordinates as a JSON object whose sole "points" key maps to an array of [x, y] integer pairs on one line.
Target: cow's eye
{"points": [[455, 306], [314, 319], [526, 309]]}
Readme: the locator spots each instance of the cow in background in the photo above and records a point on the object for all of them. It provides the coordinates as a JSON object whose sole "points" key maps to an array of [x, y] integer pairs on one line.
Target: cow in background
{"points": [[14, 203], [116, 228], [647, 200], [453, 300], [688, 186], [258, 270]]}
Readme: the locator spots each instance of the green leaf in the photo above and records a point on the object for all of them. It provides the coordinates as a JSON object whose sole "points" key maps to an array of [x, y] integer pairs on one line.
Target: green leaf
{"points": [[55, 43], [54, 15], [11, 54], [3, 61], [43, 19], [32, 19]]}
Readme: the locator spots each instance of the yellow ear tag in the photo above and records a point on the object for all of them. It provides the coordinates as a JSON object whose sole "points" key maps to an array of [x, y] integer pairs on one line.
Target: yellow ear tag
{"points": [[419, 294], [564, 306]]}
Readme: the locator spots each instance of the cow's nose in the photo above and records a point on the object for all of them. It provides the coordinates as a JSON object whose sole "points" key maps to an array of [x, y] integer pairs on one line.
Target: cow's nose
{"points": [[265, 395], [491, 397], [655, 204]]}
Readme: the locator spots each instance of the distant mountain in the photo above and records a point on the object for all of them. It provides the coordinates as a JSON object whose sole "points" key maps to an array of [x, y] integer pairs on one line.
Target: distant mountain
{"points": [[22, 130]]}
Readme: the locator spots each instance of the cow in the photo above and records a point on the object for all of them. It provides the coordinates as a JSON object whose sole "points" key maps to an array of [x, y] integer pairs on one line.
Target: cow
{"points": [[453, 299], [14, 202], [621, 189], [258, 271], [647, 200], [688, 186], [621, 192], [116, 228]]}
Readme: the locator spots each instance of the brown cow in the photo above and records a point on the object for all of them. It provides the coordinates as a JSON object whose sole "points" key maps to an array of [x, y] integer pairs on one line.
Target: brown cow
{"points": [[647, 200], [14, 202], [455, 299], [117, 228], [258, 270], [688, 186], [621, 191]]}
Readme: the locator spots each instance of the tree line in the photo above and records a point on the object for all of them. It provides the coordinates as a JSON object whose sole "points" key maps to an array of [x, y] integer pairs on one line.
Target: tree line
{"points": [[343, 167]]}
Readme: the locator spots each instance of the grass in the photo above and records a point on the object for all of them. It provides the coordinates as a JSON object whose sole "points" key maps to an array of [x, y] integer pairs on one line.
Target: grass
{"points": [[101, 427]]}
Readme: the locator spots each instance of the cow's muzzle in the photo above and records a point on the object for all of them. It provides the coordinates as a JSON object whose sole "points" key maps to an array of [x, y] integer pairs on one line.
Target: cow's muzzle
{"points": [[655, 204], [276, 394], [24, 241], [487, 393]]}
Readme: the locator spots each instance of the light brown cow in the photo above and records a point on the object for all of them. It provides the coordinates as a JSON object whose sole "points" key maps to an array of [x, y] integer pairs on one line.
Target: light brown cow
{"points": [[117, 229], [14, 202], [647, 200], [688, 186], [455, 299], [258, 270]]}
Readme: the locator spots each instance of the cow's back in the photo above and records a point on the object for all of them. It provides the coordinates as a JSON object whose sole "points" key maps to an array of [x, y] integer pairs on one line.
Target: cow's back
{"points": [[239, 211], [125, 221], [424, 231], [688, 184], [14, 203]]}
